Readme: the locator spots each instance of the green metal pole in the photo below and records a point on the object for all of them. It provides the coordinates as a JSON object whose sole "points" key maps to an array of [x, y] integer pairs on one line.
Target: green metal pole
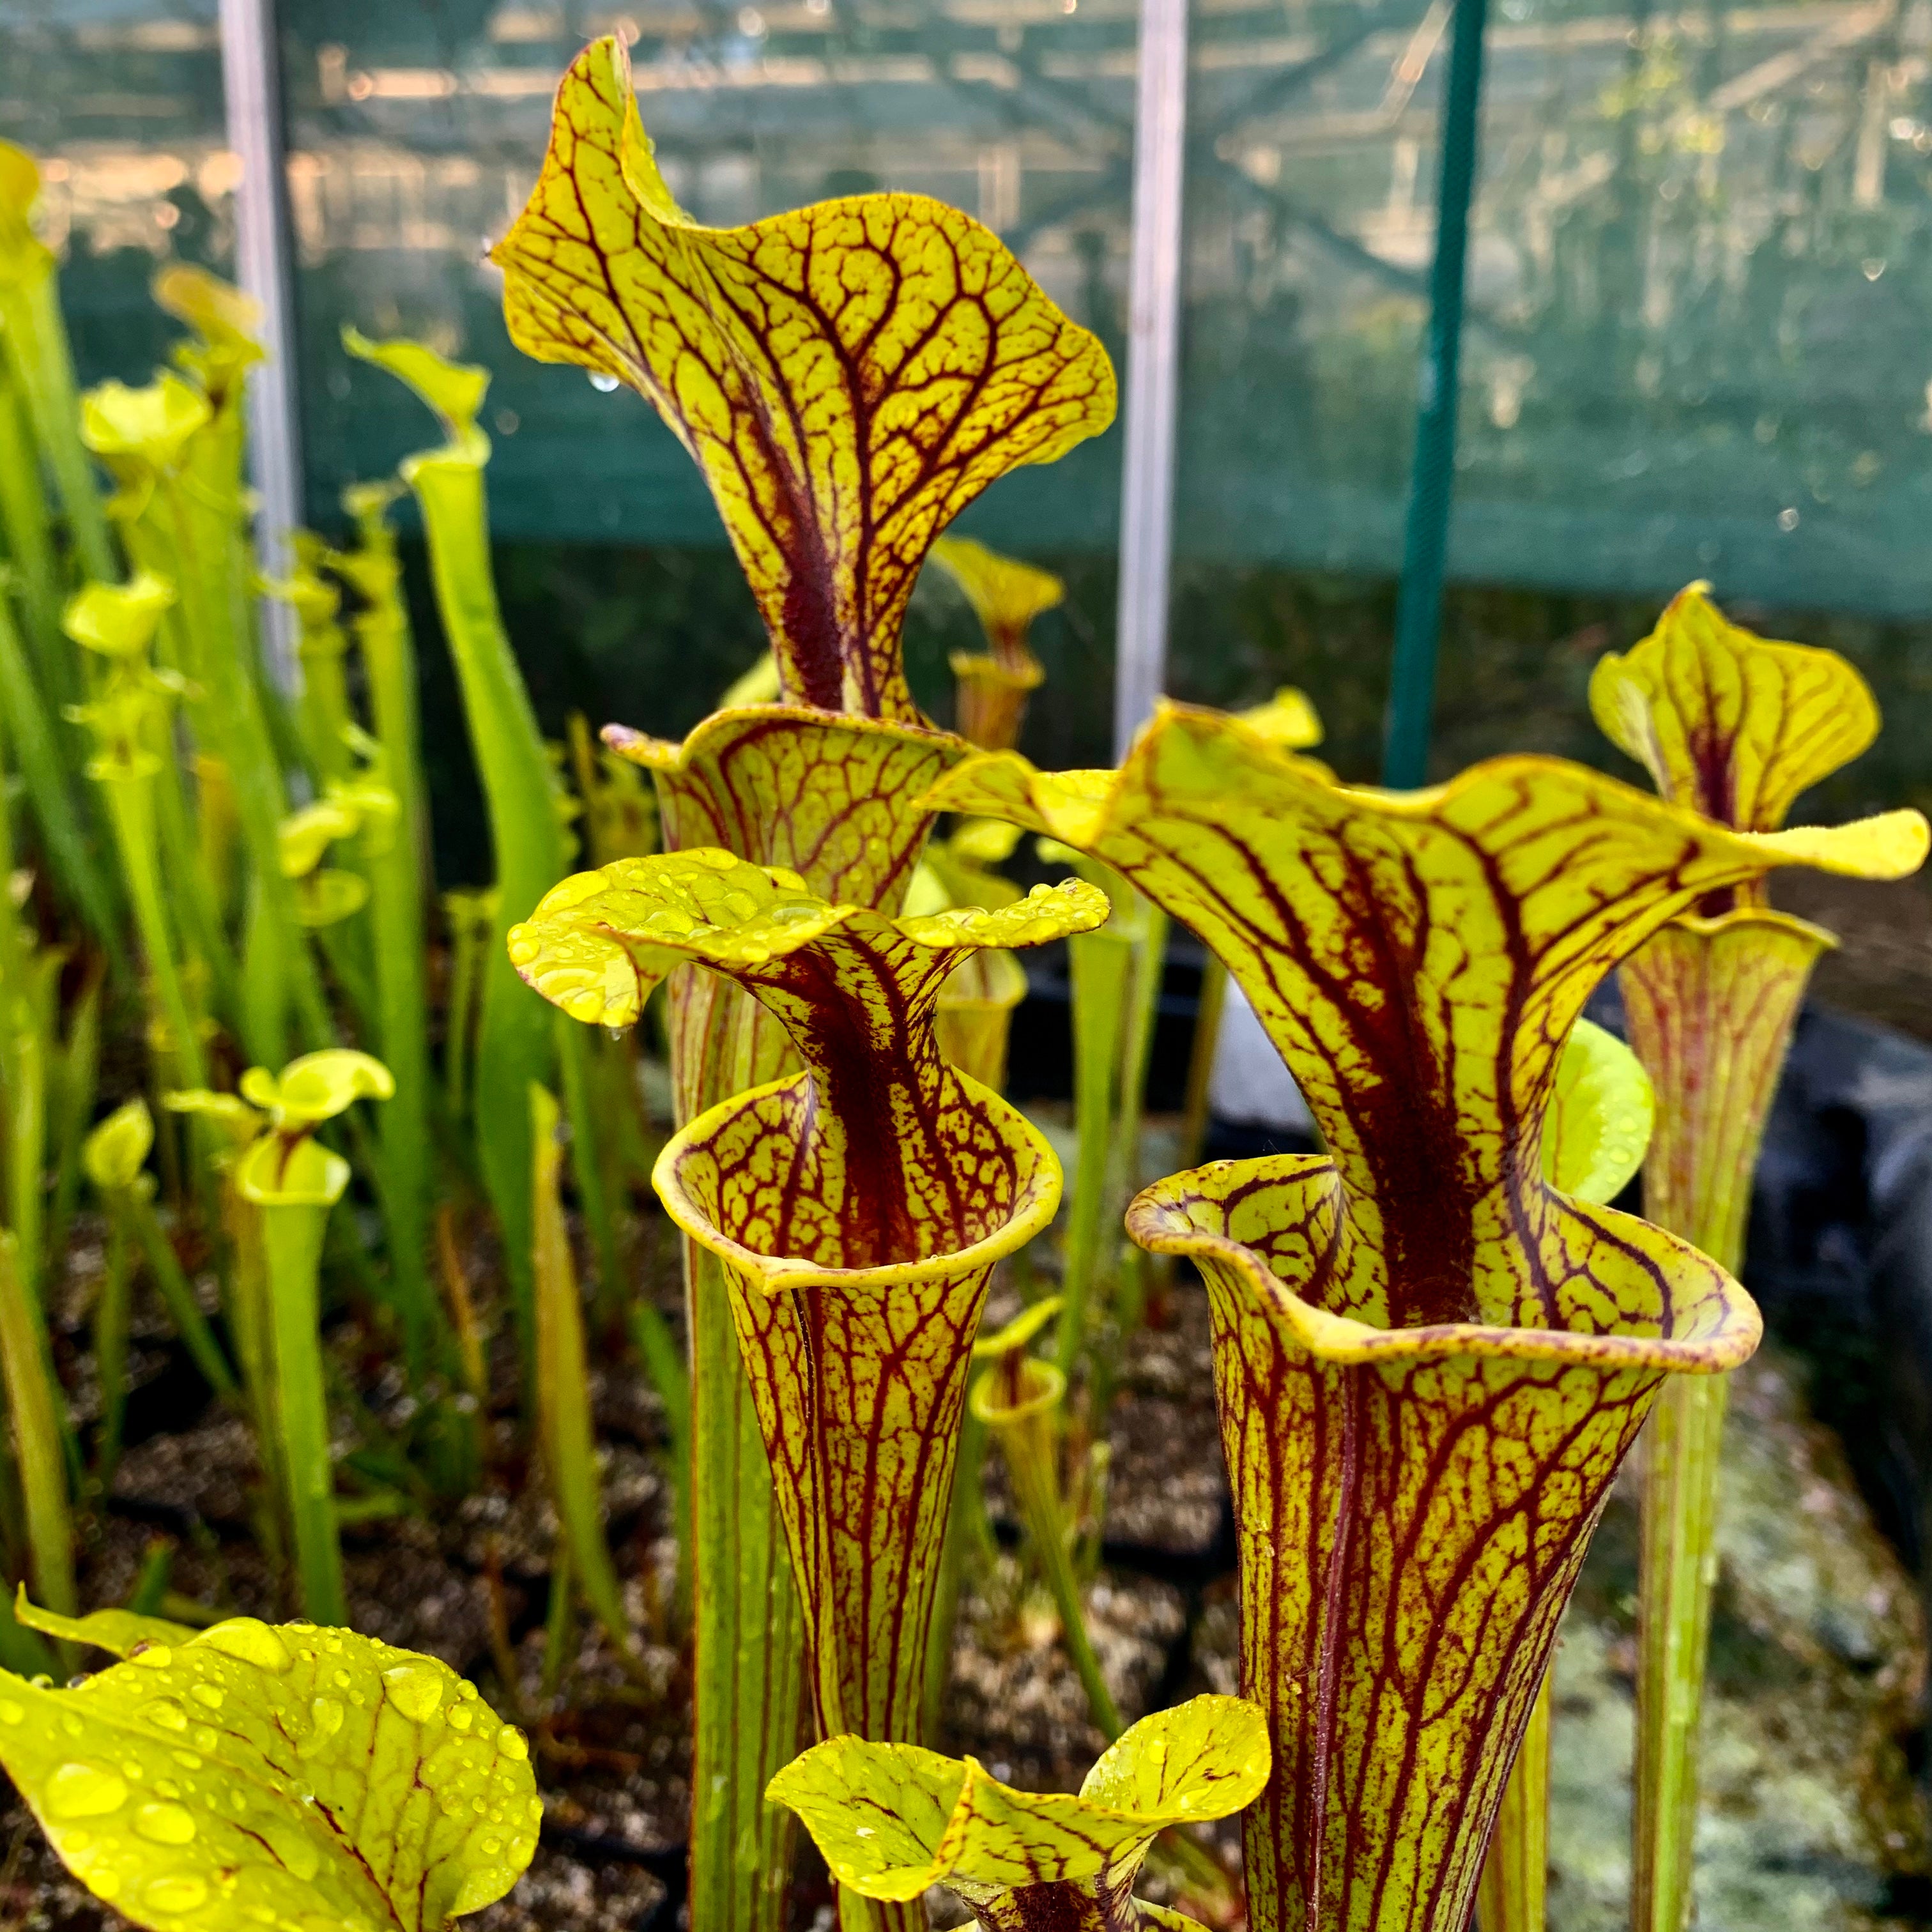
{"points": [[1419, 608]]}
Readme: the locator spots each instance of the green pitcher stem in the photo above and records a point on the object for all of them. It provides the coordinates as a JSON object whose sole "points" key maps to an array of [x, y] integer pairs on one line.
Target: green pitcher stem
{"points": [[36, 345], [515, 1042], [396, 884], [34, 1406], [749, 1707], [1711, 1004], [130, 812], [563, 1387], [27, 718], [1681, 1455], [965, 1533], [1516, 1873], [1103, 970], [291, 1239]]}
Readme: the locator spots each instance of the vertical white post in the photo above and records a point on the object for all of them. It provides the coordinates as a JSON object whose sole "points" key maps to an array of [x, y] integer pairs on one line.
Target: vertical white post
{"points": [[1154, 370], [252, 91]]}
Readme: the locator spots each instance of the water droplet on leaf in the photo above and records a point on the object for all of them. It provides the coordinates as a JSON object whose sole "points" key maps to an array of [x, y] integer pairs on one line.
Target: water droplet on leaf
{"points": [[167, 1713], [183, 1892], [85, 1791], [165, 1824], [415, 1690], [249, 1640]]}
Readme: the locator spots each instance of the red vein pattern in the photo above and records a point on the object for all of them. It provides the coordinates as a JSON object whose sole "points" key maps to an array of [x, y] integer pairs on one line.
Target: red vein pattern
{"points": [[1710, 1004], [834, 800], [849, 377], [857, 1208], [1430, 1363]]}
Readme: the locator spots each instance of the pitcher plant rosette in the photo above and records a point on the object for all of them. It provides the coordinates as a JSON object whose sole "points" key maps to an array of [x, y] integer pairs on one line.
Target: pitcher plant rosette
{"points": [[1734, 727], [848, 377], [1429, 1361], [857, 1208]]}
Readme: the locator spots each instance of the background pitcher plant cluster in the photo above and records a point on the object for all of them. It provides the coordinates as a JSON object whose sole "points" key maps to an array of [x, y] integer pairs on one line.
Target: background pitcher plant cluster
{"points": [[387, 1159]]}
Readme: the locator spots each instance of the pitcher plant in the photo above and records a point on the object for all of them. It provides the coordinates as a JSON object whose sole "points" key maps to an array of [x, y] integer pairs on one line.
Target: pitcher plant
{"points": [[1733, 727], [1429, 1361]]}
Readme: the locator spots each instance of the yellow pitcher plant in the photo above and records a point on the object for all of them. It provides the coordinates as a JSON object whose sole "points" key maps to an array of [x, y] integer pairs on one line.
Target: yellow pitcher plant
{"points": [[1429, 1361], [1733, 727], [857, 1208], [848, 377]]}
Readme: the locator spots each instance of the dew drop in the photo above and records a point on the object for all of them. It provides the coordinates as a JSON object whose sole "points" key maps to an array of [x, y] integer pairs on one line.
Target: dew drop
{"points": [[187, 1760], [510, 1742], [209, 1694], [10, 1713], [204, 1738], [165, 1824], [459, 1718], [165, 1712], [326, 1713], [250, 1640], [296, 1851], [85, 1791], [603, 384], [481, 1886], [156, 1656], [182, 1892], [104, 1882], [72, 1726], [415, 1690]]}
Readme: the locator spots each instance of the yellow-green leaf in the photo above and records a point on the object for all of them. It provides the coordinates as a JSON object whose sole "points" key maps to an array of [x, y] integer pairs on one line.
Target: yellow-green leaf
{"points": [[892, 1819], [304, 836], [238, 1122], [145, 429], [22, 254], [228, 322], [278, 1172], [289, 1776], [120, 1631], [849, 377], [598, 942], [454, 390], [1006, 593], [118, 620], [317, 1087], [1288, 719], [1732, 724], [1600, 1115], [115, 1152]]}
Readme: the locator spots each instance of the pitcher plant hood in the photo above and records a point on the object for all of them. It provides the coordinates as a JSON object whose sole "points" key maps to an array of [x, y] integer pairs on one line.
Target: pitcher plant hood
{"points": [[848, 377], [1430, 1358], [1736, 727], [892, 1819], [857, 1206]]}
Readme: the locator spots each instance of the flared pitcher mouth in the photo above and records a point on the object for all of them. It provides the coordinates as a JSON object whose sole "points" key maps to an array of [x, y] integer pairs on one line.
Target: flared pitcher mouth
{"points": [[672, 755], [1164, 1219], [1036, 1202]]}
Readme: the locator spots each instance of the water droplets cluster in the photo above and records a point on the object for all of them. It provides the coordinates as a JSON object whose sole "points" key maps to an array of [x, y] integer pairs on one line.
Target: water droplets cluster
{"points": [[120, 1773]]}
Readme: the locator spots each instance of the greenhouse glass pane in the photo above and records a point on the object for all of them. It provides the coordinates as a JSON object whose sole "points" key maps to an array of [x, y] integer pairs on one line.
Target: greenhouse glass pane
{"points": [[415, 136], [121, 102], [1700, 274]]}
